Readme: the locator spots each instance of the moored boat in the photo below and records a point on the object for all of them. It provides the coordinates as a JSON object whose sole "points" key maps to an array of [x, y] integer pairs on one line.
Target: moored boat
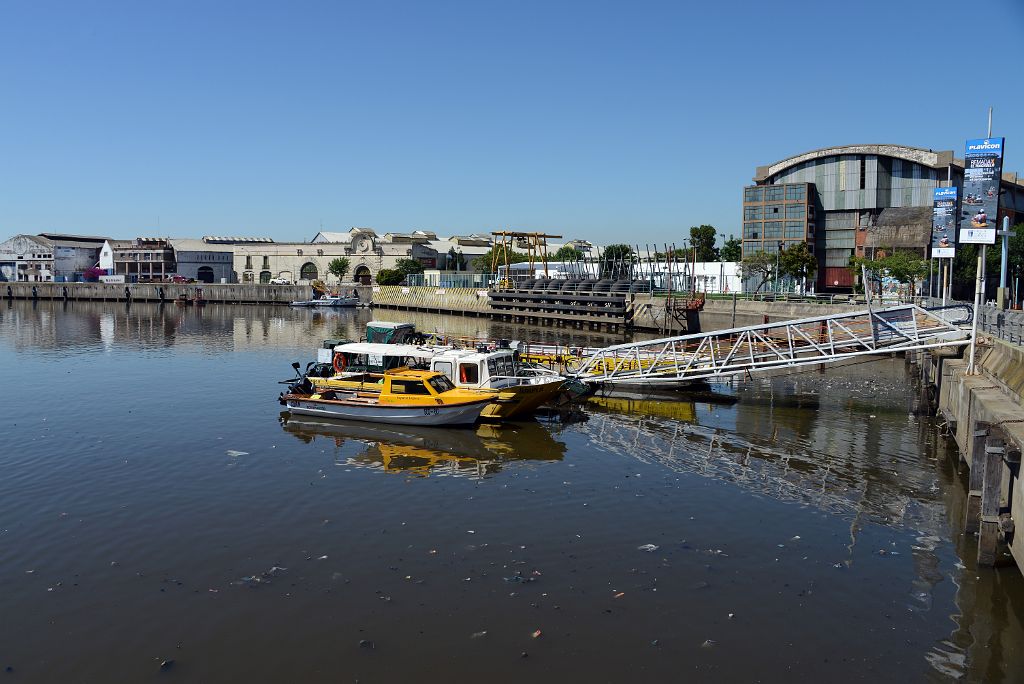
{"points": [[405, 397], [330, 300]]}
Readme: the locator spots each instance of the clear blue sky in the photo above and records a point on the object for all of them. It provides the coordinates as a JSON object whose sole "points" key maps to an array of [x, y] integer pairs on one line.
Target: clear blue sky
{"points": [[604, 120]]}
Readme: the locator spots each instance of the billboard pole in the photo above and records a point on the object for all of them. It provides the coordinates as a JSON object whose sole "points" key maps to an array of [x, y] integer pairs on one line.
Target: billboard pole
{"points": [[979, 291]]}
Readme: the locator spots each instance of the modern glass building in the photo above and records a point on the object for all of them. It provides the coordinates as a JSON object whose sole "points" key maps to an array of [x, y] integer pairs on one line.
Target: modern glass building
{"points": [[854, 199]]}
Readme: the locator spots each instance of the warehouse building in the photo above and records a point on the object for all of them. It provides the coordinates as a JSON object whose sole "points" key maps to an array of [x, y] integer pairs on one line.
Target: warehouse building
{"points": [[854, 200]]}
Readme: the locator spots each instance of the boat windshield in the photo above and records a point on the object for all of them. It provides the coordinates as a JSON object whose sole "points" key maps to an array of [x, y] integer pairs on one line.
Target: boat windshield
{"points": [[441, 383]]}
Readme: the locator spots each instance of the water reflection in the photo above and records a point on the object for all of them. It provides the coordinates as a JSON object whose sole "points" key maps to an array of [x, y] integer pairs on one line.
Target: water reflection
{"points": [[473, 453]]}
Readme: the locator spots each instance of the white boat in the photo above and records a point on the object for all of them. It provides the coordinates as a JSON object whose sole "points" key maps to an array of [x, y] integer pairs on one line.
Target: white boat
{"points": [[332, 301]]}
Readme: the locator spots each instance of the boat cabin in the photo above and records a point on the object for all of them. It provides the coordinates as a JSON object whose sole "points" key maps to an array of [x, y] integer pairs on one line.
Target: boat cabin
{"points": [[386, 332], [469, 368]]}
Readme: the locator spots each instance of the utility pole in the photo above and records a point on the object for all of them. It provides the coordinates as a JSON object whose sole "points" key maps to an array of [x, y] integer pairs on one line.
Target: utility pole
{"points": [[979, 286], [1003, 291]]}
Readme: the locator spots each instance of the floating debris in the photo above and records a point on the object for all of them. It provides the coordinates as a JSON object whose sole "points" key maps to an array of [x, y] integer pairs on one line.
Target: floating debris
{"points": [[649, 548], [233, 453]]}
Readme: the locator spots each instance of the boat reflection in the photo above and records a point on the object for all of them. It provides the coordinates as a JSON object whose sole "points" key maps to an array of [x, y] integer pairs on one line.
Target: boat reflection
{"points": [[423, 451]]}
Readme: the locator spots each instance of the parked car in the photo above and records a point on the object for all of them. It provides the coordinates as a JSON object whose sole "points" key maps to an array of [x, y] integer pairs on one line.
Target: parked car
{"points": [[180, 279], [280, 281]]}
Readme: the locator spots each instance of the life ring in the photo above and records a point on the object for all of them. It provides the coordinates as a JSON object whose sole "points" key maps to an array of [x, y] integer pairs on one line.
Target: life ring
{"points": [[339, 362]]}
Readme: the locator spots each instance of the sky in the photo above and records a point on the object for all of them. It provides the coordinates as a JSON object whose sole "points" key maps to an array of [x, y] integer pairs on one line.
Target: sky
{"points": [[607, 121]]}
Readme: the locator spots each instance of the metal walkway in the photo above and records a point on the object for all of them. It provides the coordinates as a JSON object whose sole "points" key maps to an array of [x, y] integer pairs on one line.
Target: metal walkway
{"points": [[774, 346]]}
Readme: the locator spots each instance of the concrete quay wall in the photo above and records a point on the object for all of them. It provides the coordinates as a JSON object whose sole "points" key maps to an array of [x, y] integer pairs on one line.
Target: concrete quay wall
{"points": [[985, 416], [217, 293], [719, 314]]}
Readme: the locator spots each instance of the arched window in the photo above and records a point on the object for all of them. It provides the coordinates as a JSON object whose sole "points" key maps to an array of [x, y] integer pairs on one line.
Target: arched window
{"points": [[308, 271], [204, 274], [264, 277]]}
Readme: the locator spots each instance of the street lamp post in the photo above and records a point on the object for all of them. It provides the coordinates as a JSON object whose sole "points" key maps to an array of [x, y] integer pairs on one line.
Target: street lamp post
{"points": [[777, 254]]}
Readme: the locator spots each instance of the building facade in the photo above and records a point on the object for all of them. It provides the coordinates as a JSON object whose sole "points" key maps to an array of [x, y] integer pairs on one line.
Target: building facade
{"points": [[26, 258], [859, 199], [144, 259], [303, 262], [204, 262]]}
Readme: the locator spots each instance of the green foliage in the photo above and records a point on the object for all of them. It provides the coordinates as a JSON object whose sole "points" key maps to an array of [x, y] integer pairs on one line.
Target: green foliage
{"points": [[703, 238], [567, 253], [758, 265], [732, 250], [339, 267], [456, 261], [616, 261], [797, 262], [965, 264], [407, 266], [905, 266], [679, 253], [484, 262], [390, 276]]}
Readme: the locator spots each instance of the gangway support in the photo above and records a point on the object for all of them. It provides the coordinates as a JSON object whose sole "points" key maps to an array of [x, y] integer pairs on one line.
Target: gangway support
{"points": [[771, 346]]}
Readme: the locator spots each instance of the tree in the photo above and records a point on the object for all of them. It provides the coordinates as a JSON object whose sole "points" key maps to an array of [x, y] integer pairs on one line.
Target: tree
{"points": [[485, 262], [407, 266], [456, 259], [758, 265], [901, 265], [389, 276], [703, 238], [965, 265], [339, 267], [567, 254], [798, 262], [732, 250], [616, 261]]}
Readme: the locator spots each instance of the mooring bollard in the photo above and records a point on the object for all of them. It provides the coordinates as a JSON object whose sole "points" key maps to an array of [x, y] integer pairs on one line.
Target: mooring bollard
{"points": [[10, 292], [127, 294], [65, 291], [35, 292], [160, 292]]}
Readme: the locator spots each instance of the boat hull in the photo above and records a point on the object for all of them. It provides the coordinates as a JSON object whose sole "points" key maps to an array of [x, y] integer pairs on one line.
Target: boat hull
{"points": [[339, 303], [520, 401], [442, 414]]}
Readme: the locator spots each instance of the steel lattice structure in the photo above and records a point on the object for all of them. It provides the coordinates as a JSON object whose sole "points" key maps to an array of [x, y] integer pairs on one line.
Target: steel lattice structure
{"points": [[771, 346]]}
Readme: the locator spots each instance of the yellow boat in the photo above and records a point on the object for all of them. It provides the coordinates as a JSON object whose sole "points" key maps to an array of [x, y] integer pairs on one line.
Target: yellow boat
{"points": [[405, 397]]}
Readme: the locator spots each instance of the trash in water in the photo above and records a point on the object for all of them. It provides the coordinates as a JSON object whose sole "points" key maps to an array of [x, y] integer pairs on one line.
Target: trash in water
{"points": [[233, 453], [166, 665], [649, 548], [365, 643], [709, 643], [536, 634], [620, 594], [478, 635]]}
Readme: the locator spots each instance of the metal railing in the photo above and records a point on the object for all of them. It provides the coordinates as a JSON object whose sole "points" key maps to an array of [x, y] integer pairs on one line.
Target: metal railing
{"points": [[772, 346]]}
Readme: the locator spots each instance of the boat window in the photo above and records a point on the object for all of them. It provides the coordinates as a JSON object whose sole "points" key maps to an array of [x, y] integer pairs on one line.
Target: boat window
{"points": [[408, 387], [444, 367], [492, 367], [441, 384], [469, 373]]}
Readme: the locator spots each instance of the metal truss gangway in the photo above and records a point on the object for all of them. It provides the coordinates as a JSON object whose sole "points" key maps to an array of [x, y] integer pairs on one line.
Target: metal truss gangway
{"points": [[775, 346]]}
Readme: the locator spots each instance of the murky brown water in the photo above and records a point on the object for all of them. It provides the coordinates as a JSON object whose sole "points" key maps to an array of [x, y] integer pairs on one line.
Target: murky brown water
{"points": [[156, 506]]}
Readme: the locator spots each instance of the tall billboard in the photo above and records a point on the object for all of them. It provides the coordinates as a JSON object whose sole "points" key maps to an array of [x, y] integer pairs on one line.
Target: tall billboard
{"points": [[944, 223], [979, 208]]}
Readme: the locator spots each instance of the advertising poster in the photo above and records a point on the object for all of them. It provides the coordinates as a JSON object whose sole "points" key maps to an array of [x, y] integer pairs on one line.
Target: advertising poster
{"points": [[979, 208], [944, 223]]}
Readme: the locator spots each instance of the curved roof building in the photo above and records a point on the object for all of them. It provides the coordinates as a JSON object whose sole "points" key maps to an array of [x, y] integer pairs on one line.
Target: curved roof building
{"points": [[851, 200]]}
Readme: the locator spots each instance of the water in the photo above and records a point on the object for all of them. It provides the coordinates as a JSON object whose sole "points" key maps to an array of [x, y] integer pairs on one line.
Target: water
{"points": [[152, 492]]}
